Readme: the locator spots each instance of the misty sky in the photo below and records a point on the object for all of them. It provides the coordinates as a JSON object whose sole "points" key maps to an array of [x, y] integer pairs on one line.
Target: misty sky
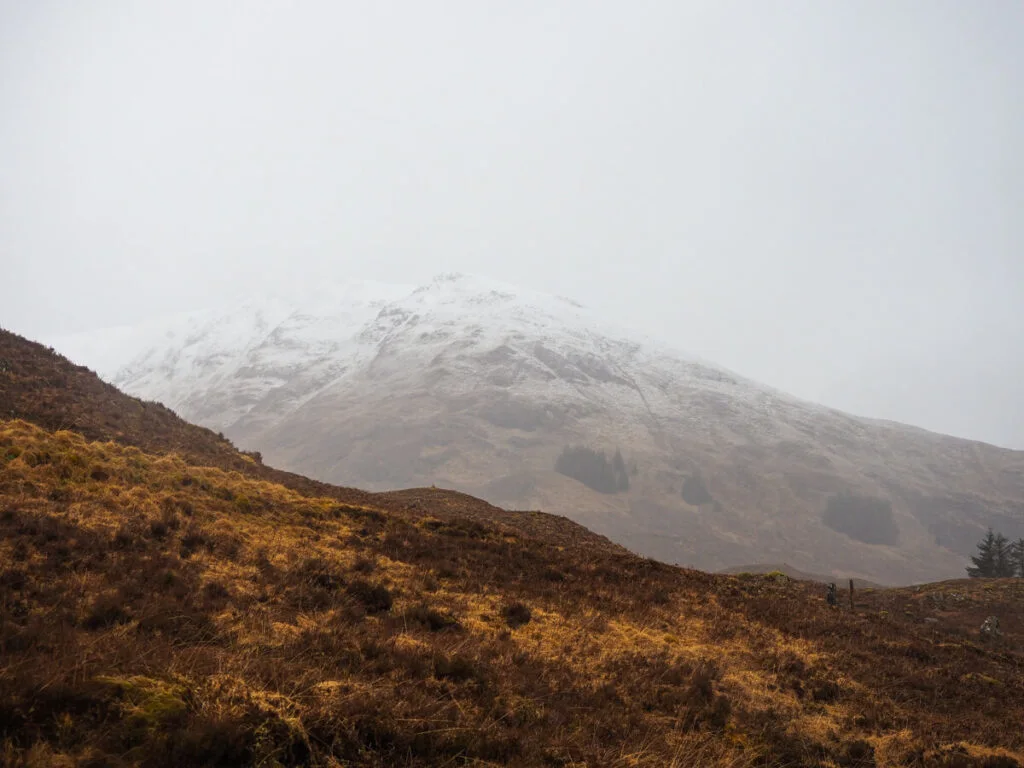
{"points": [[826, 196]]}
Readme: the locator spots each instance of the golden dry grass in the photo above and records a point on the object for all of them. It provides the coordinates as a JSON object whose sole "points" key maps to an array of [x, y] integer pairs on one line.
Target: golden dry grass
{"points": [[155, 612]]}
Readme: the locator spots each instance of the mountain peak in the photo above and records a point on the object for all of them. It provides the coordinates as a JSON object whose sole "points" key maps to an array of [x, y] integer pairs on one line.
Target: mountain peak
{"points": [[460, 284]]}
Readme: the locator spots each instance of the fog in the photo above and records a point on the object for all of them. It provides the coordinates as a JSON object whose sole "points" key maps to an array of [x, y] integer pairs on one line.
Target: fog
{"points": [[826, 197]]}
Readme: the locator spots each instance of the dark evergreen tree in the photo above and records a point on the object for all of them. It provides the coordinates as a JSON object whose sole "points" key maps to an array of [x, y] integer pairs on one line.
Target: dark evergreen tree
{"points": [[985, 560], [1005, 567], [695, 491], [591, 468], [1017, 557], [621, 475], [863, 518]]}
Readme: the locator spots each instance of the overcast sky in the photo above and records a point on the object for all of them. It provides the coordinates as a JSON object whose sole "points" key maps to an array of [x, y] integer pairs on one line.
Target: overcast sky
{"points": [[825, 196]]}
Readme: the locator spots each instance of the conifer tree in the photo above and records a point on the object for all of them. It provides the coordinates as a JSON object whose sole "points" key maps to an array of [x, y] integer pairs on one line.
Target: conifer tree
{"points": [[1017, 558], [621, 475], [1004, 566], [985, 560], [593, 469]]}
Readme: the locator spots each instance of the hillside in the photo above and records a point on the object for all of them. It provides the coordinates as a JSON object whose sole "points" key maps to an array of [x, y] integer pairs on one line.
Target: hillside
{"points": [[476, 385], [793, 573], [160, 613], [45, 388], [156, 611]]}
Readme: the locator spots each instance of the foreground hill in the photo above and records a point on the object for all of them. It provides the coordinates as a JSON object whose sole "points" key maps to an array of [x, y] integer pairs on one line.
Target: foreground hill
{"points": [[480, 386], [160, 613], [45, 388], [157, 611]]}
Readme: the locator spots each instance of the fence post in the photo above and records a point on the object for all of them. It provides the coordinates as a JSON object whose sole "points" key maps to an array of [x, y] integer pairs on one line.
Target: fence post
{"points": [[851, 594]]}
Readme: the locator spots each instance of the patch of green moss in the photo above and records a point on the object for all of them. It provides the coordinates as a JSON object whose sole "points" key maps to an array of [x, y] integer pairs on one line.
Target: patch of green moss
{"points": [[148, 703]]}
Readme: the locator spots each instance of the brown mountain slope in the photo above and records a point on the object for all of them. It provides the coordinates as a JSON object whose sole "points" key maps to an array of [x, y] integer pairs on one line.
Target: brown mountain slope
{"points": [[41, 386], [155, 612], [38, 385], [471, 384]]}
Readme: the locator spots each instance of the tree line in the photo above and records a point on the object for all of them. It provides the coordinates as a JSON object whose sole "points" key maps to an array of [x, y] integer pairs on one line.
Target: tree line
{"points": [[998, 557], [593, 469]]}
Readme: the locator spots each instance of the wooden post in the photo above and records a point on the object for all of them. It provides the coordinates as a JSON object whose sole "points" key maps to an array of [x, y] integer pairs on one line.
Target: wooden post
{"points": [[851, 594]]}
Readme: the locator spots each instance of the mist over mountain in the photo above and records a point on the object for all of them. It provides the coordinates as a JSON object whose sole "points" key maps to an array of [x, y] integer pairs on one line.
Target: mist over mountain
{"points": [[485, 387]]}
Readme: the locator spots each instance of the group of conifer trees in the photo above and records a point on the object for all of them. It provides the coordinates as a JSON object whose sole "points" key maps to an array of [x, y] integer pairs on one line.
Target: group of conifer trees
{"points": [[593, 469], [998, 557]]}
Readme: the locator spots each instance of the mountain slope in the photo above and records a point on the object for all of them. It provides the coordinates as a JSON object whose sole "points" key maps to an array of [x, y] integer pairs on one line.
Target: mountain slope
{"points": [[477, 385], [792, 573], [42, 387], [157, 610], [161, 613]]}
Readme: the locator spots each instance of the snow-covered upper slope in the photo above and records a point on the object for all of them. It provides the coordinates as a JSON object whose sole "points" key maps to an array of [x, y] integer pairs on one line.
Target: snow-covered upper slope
{"points": [[263, 341], [343, 306], [302, 345]]}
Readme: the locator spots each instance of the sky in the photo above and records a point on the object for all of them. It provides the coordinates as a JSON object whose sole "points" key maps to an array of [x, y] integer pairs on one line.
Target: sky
{"points": [[827, 197]]}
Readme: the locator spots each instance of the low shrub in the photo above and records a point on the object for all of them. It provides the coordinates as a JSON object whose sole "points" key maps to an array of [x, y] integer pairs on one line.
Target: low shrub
{"points": [[516, 614]]}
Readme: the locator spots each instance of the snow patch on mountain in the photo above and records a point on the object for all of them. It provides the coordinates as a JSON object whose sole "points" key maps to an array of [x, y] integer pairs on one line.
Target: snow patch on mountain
{"points": [[217, 366]]}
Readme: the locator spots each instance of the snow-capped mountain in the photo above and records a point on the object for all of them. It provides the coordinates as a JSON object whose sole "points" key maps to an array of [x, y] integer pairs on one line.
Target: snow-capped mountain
{"points": [[477, 385]]}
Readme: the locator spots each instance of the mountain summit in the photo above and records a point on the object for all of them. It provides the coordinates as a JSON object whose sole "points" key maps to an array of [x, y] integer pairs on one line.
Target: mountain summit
{"points": [[532, 402]]}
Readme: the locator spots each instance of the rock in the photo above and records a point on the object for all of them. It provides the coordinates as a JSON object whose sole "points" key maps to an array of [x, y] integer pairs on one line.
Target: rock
{"points": [[990, 628]]}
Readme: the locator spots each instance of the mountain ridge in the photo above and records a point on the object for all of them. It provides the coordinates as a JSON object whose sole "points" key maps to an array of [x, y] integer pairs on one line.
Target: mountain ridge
{"points": [[474, 384]]}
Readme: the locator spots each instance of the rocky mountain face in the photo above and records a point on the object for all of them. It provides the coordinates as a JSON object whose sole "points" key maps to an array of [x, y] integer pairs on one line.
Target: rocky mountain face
{"points": [[475, 385]]}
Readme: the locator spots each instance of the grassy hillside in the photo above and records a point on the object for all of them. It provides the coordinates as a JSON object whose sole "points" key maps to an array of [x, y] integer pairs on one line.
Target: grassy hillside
{"points": [[160, 613], [795, 573], [168, 601], [44, 388]]}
